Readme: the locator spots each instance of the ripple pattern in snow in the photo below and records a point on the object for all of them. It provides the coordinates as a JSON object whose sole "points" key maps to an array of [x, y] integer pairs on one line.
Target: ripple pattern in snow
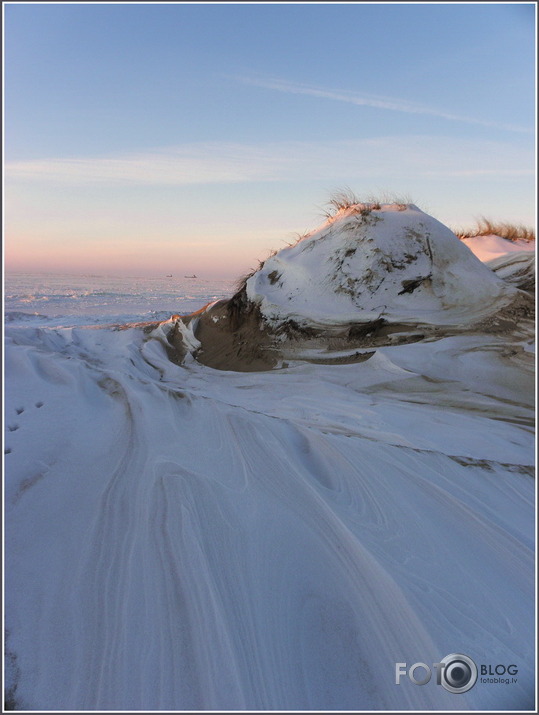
{"points": [[180, 538]]}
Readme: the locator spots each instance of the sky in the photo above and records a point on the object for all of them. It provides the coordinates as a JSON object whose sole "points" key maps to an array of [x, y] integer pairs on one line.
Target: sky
{"points": [[152, 138]]}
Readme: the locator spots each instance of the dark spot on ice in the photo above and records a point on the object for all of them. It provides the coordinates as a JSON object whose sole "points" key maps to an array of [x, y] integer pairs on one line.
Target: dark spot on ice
{"points": [[178, 395], [12, 676], [27, 484], [361, 330], [112, 387], [273, 277], [410, 285]]}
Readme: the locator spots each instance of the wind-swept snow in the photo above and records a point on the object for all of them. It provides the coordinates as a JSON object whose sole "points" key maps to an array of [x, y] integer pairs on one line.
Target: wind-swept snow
{"points": [[185, 538], [517, 268], [514, 261]]}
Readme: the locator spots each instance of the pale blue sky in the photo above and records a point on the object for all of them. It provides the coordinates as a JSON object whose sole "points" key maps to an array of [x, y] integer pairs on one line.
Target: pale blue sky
{"points": [[150, 136]]}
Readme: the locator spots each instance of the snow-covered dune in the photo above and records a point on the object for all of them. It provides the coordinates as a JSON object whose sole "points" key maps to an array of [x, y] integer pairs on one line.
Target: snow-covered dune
{"points": [[514, 261], [371, 275], [185, 538], [488, 247], [393, 262]]}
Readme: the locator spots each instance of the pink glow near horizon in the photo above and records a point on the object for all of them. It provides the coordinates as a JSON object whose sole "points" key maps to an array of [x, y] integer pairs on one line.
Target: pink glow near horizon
{"points": [[25, 256]]}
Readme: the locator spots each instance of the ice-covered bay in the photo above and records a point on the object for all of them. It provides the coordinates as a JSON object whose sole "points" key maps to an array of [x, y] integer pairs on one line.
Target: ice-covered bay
{"points": [[180, 538], [64, 300]]}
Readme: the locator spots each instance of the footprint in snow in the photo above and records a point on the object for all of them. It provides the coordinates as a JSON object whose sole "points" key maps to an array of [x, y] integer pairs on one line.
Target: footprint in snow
{"points": [[13, 428], [39, 404], [7, 450], [19, 410]]}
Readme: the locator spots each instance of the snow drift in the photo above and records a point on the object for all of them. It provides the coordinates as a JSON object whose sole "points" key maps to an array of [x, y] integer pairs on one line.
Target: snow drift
{"points": [[182, 538], [488, 247], [517, 268]]}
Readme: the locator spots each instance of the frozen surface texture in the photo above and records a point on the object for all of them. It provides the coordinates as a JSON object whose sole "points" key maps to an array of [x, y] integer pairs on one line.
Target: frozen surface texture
{"points": [[184, 538]]}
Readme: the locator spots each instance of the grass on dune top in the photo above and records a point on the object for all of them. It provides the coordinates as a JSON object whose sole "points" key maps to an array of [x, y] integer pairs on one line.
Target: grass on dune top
{"points": [[509, 231], [346, 199]]}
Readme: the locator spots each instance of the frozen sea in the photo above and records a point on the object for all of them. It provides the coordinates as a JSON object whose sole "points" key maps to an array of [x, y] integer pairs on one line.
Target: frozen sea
{"points": [[62, 300], [182, 538]]}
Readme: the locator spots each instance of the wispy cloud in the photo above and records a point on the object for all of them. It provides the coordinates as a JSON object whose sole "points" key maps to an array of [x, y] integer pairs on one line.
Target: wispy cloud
{"points": [[370, 100], [184, 165], [393, 158]]}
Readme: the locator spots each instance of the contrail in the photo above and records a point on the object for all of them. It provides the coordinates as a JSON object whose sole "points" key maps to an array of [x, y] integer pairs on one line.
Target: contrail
{"points": [[369, 100]]}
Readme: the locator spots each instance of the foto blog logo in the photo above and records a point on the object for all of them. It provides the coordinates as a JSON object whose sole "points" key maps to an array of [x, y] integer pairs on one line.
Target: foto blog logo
{"points": [[457, 673]]}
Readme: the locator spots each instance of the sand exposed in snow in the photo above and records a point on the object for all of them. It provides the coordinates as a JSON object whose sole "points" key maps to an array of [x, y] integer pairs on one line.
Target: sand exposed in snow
{"points": [[250, 347], [365, 279]]}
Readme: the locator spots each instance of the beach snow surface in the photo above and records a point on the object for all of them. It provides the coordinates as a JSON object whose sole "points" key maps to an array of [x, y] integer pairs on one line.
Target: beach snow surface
{"points": [[185, 538]]}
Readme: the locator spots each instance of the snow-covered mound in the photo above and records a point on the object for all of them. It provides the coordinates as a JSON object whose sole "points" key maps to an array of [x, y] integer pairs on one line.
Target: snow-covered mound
{"points": [[488, 247], [394, 262]]}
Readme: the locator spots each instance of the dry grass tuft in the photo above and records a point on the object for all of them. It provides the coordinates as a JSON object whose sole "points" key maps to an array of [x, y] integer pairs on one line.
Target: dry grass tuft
{"points": [[509, 231], [345, 199], [400, 200], [300, 237], [240, 284], [341, 200]]}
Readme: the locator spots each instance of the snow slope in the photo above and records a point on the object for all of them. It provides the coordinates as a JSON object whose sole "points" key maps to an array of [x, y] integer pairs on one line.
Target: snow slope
{"points": [[513, 261], [393, 262], [184, 538], [490, 247]]}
